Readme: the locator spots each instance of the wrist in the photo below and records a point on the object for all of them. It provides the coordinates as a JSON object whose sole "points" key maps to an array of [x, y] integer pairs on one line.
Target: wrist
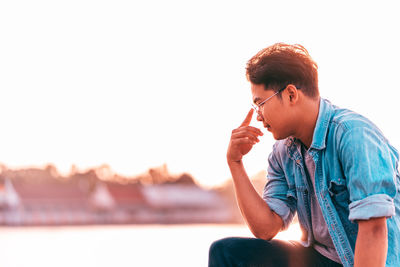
{"points": [[234, 163]]}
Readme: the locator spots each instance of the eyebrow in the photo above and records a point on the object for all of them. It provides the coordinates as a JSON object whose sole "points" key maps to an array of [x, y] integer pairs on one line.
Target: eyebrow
{"points": [[255, 100]]}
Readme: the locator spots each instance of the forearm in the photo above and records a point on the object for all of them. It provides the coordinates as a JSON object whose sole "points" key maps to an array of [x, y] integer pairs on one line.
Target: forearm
{"points": [[262, 221], [372, 243]]}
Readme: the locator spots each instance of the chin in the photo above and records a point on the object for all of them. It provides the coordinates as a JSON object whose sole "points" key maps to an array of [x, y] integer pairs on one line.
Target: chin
{"points": [[278, 136]]}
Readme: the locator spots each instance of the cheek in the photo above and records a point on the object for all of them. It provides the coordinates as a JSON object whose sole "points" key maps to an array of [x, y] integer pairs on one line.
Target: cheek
{"points": [[280, 124], [275, 118], [268, 115]]}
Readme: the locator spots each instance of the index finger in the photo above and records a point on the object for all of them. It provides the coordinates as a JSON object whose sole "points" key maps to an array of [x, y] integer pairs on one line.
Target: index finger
{"points": [[247, 120]]}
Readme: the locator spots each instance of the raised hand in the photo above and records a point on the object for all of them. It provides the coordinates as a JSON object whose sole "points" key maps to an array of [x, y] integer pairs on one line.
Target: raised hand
{"points": [[243, 139]]}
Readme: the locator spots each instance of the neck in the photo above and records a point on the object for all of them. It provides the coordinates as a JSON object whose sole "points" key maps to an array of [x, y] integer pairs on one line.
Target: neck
{"points": [[307, 121]]}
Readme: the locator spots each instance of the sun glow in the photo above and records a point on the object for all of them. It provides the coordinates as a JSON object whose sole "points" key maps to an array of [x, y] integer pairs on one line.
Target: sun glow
{"points": [[139, 84]]}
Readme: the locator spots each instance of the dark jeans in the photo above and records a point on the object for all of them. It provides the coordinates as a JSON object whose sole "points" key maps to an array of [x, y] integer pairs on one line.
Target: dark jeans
{"points": [[237, 251]]}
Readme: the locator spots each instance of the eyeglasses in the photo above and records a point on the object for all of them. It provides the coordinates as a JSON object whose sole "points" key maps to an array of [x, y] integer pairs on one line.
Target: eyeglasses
{"points": [[257, 107]]}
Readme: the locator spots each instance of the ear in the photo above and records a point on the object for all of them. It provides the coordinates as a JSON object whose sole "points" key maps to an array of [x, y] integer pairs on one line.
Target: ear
{"points": [[292, 94]]}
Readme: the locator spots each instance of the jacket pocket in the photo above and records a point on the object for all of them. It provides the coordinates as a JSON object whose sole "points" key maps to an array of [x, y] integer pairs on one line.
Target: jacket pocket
{"points": [[291, 193], [341, 200], [338, 191]]}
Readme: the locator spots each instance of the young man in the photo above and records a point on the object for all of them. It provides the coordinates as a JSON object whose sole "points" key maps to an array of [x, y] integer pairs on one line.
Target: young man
{"points": [[330, 165]]}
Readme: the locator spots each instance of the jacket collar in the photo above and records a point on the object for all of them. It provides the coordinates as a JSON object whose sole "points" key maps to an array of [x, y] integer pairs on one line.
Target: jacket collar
{"points": [[321, 127]]}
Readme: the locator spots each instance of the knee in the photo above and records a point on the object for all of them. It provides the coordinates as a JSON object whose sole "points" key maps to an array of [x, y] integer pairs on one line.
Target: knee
{"points": [[221, 245], [221, 251], [239, 251]]}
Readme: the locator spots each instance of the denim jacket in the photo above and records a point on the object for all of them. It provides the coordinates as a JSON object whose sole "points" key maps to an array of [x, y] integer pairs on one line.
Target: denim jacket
{"points": [[356, 178]]}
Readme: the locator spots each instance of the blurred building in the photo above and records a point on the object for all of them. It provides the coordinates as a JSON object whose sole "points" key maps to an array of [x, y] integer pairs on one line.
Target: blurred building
{"points": [[42, 197]]}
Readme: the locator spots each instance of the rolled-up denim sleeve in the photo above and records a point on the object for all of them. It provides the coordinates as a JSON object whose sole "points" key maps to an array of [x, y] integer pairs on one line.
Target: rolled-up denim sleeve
{"points": [[276, 191], [369, 166]]}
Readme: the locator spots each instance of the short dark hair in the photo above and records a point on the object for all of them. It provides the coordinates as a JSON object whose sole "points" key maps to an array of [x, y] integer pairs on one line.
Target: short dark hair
{"points": [[281, 64]]}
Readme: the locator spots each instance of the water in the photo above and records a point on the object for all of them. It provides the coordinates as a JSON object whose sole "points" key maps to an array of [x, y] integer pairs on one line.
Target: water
{"points": [[116, 246]]}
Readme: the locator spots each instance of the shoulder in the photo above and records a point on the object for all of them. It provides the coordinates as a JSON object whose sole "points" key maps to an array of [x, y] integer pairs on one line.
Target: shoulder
{"points": [[345, 122]]}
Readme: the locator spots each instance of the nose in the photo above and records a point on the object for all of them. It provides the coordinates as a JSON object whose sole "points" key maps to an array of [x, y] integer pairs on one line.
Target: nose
{"points": [[259, 117]]}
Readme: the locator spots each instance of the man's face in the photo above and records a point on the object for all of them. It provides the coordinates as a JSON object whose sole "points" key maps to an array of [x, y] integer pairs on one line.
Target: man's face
{"points": [[273, 113]]}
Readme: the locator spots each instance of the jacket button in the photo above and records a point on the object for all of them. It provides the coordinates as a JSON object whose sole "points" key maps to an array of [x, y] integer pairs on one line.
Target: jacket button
{"points": [[298, 161]]}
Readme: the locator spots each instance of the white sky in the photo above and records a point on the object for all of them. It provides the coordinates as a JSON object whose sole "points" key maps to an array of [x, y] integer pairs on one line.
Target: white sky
{"points": [[136, 84]]}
